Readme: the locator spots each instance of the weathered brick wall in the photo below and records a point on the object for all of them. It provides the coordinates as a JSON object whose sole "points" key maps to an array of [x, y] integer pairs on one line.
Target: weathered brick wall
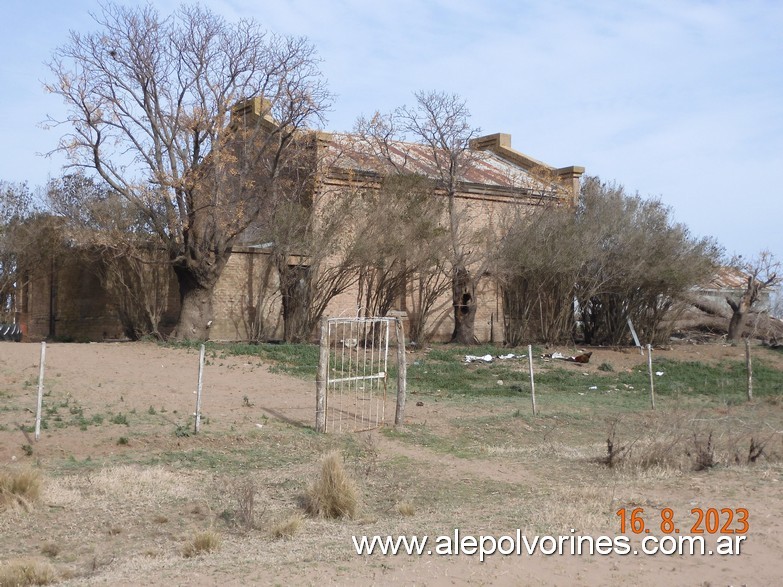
{"points": [[247, 305], [246, 301], [72, 293], [34, 316], [480, 218], [440, 324]]}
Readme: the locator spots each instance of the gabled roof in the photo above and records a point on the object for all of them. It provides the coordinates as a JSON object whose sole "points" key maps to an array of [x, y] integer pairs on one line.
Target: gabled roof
{"points": [[727, 278]]}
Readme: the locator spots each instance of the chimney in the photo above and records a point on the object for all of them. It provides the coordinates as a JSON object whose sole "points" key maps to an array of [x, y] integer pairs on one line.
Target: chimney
{"points": [[253, 111]]}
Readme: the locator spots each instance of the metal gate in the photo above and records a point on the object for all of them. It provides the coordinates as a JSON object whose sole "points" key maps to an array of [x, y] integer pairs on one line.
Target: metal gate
{"points": [[353, 374]]}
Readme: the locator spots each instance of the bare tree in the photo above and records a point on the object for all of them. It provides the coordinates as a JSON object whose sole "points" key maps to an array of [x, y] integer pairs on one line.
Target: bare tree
{"points": [[310, 235], [153, 109], [311, 251], [764, 272], [16, 206], [439, 124], [401, 237], [441, 121]]}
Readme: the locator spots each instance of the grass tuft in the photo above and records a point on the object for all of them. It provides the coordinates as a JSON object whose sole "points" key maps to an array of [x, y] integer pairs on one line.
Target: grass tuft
{"points": [[704, 453], [50, 549], [334, 494], [202, 543], [288, 527], [245, 493], [23, 572], [21, 488]]}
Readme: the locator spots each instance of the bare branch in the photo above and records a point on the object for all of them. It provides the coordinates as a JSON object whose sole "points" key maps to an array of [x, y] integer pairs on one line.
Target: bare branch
{"points": [[152, 112]]}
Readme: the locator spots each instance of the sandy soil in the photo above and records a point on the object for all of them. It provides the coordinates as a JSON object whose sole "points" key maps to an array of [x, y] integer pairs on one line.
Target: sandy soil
{"points": [[245, 403]]}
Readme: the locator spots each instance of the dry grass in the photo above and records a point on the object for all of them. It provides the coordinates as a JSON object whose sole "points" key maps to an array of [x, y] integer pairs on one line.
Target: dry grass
{"points": [[202, 543], [684, 442], [245, 493], [21, 488], [50, 549], [334, 494], [22, 572], [287, 528], [471, 464], [555, 510]]}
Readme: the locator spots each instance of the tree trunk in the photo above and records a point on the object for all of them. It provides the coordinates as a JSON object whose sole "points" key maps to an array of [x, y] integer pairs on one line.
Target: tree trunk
{"points": [[195, 295], [295, 290], [463, 290], [736, 325], [195, 315], [741, 308]]}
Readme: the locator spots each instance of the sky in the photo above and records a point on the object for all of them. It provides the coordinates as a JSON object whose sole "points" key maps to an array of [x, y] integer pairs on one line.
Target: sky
{"points": [[677, 100]]}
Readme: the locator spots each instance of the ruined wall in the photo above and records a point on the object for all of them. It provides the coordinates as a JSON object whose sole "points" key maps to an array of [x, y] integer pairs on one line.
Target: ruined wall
{"points": [[68, 302], [246, 301]]}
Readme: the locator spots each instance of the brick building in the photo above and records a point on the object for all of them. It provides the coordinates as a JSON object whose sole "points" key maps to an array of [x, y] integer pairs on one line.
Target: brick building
{"points": [[68, 301]]}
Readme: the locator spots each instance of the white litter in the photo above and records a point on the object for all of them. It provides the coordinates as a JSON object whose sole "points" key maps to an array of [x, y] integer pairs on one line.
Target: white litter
{"points": [[490, 358]]}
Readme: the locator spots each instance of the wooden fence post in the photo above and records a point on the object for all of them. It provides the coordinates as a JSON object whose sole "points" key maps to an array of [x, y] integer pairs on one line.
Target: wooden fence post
{"points": [[749, 366]]}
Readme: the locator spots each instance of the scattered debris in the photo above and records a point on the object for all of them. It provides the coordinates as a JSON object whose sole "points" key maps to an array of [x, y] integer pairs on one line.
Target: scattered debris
{"points": [[475, 358], [659, 373], [490, 358], [581, 358]]}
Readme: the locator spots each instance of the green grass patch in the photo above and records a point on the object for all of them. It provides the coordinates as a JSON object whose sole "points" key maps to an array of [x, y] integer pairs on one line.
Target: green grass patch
{"points": [[443, 372]]}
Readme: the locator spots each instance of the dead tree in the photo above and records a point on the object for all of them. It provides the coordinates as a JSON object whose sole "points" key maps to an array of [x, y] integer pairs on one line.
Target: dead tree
{"points": [[763, 272]]}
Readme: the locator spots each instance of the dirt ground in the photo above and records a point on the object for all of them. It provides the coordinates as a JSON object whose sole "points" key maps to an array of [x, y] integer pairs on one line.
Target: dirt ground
{"points": [[126, 484]]}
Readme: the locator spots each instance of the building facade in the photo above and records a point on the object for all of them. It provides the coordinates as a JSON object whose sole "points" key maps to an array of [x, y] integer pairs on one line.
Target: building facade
{"points": [[69, 301]]}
